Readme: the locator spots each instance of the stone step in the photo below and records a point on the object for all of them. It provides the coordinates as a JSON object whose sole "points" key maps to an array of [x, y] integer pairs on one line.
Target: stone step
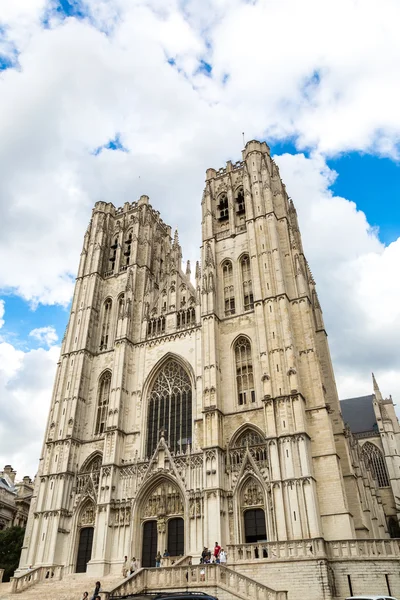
{"points": [[71, 587]]}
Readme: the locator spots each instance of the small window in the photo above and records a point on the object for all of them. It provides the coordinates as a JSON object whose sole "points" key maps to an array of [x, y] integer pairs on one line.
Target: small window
{"points": [[244, 372], [248, 298], [105, 328], [102, 403], [223, 208], [229, 293]]}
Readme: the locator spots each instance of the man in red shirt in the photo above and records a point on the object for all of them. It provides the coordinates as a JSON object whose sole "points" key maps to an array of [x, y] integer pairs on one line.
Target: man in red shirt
{"points": [[217, 550]]}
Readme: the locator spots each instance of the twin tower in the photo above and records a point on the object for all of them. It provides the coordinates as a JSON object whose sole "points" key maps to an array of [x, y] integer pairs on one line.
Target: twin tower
{"points": [[190, 408]]}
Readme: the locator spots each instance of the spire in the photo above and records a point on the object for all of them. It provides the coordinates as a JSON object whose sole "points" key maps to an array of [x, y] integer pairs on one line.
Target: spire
{"points": [[188, 271], [377, 391], [176, 239]]}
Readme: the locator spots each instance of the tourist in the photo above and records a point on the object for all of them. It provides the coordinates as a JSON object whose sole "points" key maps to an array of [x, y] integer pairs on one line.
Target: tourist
{"points": [[223, 557], [217, 550], [97, 589], [125, 568], [158, 559], [134, 565], [204, 554], [85, 596], [166, 554]]}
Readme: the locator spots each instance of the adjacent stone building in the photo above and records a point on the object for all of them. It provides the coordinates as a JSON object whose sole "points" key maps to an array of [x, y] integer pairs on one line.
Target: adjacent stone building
{"points": [[15, 499], [190, 408]]}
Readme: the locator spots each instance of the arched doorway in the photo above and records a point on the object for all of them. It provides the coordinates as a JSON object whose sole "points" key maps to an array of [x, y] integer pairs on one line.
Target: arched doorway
{"points": [[162, 518], [84, 549], [254, 526], [86, 531], [176, 537], [149, 546]]}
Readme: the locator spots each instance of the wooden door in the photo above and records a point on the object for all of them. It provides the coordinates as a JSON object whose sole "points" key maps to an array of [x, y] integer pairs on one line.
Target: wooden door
{"points": [[84, 549], [254, 526], [176, 537], [149, 546]]}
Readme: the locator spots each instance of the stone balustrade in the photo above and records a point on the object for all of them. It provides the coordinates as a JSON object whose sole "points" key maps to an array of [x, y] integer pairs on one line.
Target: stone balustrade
{"points": [[34, 576], [387, 548], [285, 550], [314, 548], [198, 577]]}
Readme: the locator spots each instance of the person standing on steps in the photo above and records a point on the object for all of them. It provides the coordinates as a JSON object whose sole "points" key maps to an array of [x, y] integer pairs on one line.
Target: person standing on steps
{"points": [[223, 557], [217, 550], [97, 590], [158, 559], [134, 565], [125, 567]]}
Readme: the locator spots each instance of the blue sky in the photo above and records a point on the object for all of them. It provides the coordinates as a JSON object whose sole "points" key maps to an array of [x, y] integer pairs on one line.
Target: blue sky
{"points": [[371, 182]]}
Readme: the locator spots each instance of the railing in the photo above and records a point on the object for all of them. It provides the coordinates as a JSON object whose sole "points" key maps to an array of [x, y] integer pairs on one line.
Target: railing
{"points": [[388, 548], [196, 576], [34, 576], [314, 548], [293, 549]]}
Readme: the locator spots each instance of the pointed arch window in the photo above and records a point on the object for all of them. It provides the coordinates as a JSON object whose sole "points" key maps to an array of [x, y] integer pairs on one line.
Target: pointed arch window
{"points": [[223, 208], [244, 372], [102, 403], [375, 461], [248, 298], [105, 328], [128, 248], [170, 409], [229, 290], [239, 201], [113, 253]]}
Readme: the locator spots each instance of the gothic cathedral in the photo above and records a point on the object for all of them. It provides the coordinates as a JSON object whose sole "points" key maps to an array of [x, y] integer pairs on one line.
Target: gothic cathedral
{"points": [[194, 408]]}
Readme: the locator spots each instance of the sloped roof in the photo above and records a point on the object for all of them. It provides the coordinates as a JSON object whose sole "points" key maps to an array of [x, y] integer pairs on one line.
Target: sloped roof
{"points": [[7, 485], [359, 413]]}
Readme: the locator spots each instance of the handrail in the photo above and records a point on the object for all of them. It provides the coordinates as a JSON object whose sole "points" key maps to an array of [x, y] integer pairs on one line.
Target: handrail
{"points": [[316, 548], [34, 576], [280, 550], [195, 576]]}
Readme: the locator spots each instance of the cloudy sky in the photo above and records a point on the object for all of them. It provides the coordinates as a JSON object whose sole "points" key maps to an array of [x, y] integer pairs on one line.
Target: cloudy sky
{"points": [[110, 99]]}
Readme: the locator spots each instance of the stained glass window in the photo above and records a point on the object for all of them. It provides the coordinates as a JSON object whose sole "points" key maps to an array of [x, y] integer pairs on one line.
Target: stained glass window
{"points": [[170, 409]]}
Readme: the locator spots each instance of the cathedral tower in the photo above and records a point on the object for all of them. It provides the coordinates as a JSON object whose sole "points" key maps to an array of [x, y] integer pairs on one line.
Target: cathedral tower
{"points": [[189, 410]]}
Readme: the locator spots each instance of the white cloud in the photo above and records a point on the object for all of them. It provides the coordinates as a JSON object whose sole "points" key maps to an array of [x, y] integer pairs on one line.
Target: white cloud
{"points": [[357, 279], [26, 380], [46, 336], [324, 72]]}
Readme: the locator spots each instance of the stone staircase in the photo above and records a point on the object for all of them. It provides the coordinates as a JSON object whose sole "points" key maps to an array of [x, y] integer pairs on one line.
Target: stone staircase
{"points": [[70, 587], [217, 580]]}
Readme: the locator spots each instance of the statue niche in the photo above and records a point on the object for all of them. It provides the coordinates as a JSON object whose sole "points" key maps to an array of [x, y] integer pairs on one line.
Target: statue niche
{"points": [[165, 500]]}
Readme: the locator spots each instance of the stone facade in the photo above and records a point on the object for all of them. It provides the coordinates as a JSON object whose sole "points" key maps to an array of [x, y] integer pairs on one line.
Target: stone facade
{"points": [[15, 498], [374, 433], [193, 409]]}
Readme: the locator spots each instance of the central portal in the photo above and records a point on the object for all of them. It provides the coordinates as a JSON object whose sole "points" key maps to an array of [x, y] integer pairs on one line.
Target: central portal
{"points": [[163, 525]]}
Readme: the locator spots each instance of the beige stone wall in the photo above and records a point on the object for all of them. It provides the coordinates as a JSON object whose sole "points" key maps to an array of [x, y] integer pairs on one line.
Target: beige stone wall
{"points": [[299, 479]]}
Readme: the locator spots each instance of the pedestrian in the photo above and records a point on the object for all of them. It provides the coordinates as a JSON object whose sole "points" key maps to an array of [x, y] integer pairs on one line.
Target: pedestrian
{"points": [[223, 557], [217, 550], [133, 566], [158, 559], [125, 567], [166, 554], [97, 590], [85, 596]]}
